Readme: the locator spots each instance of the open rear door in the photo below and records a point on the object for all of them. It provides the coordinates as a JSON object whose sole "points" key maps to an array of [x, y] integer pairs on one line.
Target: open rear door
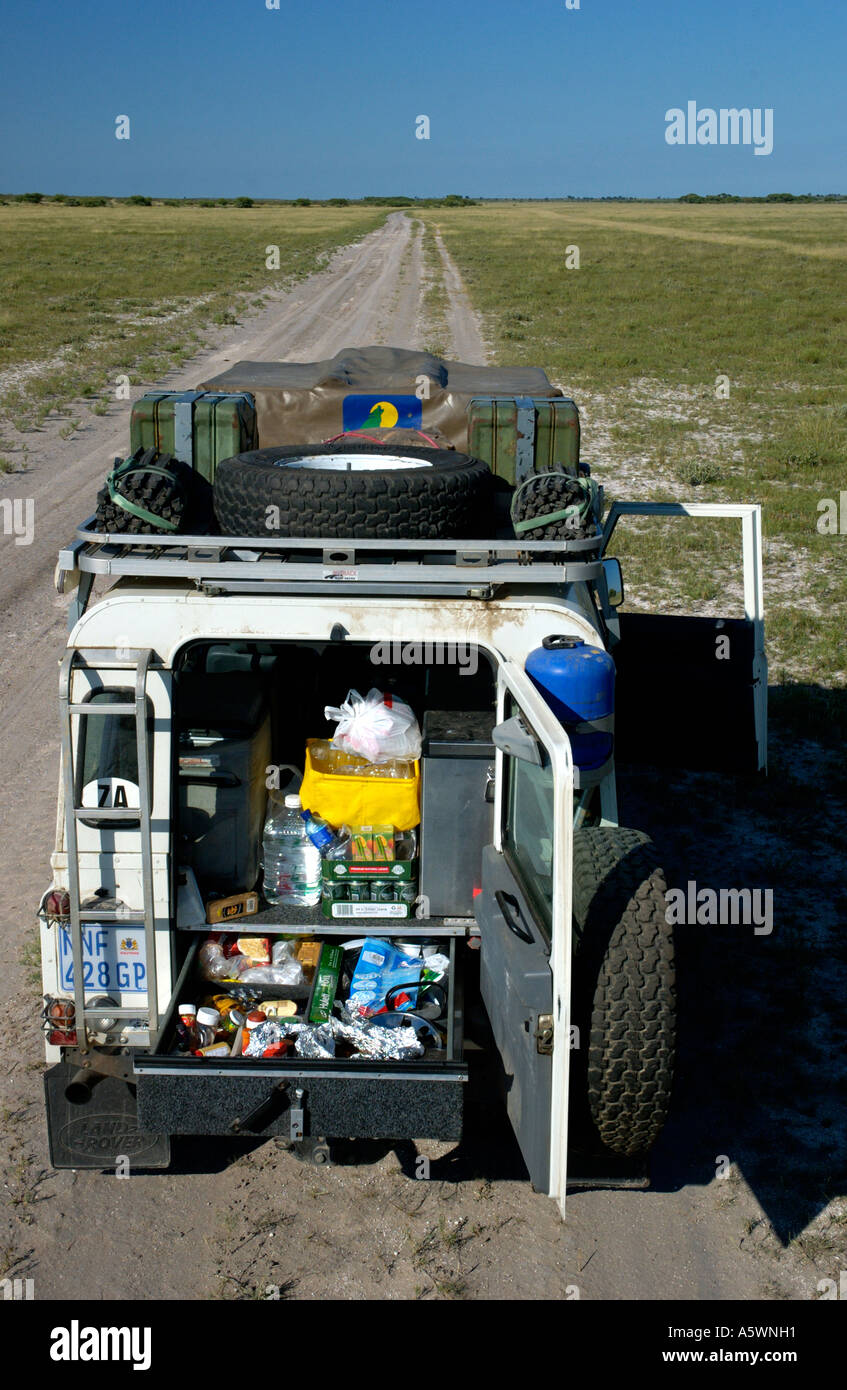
{"points": [[524, 913], [691, 692]]}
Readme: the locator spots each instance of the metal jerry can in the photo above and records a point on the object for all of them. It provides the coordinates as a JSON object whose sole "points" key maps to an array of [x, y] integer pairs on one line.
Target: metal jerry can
{"points": [[198, 427], [520, 435]]}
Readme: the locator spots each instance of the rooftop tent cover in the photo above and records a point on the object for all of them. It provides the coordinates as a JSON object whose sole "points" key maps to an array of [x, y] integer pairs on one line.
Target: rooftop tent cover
{"points": [[372, 387]]}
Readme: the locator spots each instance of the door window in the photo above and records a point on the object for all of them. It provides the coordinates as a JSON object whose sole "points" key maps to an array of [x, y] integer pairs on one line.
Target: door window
{"points": [[109, 746], [528, 829], [109, 757]]}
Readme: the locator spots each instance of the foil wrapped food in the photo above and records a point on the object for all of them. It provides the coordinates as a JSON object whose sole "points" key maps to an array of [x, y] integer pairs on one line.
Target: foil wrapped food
{"points": [[369, 1039], [316, 1040], [269, 1033]]}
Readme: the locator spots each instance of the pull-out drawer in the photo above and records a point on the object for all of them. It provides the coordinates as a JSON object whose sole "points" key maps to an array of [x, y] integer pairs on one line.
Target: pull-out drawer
{"points": [[293, 1097]]}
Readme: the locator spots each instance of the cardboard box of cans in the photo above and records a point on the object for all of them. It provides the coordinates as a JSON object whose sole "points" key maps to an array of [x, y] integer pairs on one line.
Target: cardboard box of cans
{"points": [[369, 888]]}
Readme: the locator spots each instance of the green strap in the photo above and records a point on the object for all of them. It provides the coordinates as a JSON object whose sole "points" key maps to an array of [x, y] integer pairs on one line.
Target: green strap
{"points": [[546, 517], [581, 509], [134, 509]]}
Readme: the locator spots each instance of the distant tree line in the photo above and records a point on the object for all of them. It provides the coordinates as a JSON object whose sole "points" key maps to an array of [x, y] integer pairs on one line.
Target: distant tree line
{"points": [[766, 198], [450, 200], [140, 200]]}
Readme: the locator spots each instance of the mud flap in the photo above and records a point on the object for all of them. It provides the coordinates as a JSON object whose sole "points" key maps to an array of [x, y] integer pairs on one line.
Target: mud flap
{"points": [[98, 1127]]}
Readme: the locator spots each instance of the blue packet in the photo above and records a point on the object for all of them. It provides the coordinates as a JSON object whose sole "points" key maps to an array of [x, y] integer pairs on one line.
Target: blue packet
{"points": [[379, 969]]}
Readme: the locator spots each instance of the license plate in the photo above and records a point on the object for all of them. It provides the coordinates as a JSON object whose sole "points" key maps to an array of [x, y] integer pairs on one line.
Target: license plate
{"points": [[114, 959]]}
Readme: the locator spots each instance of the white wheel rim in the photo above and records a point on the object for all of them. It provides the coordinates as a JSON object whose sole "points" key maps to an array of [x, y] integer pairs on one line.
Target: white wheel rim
{"points": [[355, 463]]}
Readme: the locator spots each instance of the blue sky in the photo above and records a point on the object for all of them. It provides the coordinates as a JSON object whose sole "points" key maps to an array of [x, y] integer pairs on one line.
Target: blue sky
{"points": [[320, 98]]}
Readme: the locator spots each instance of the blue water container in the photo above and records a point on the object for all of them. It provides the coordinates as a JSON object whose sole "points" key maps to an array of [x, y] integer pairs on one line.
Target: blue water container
{"points": [[578, 683]]}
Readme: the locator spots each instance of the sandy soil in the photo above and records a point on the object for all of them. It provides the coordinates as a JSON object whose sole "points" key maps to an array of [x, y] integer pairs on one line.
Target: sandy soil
{"points": [[246, 1219]]}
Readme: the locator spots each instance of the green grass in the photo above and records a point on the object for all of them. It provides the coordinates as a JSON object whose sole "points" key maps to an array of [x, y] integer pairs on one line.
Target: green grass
{"points": [[663, 293], [93, 292], [668, 299], [435, 296]]}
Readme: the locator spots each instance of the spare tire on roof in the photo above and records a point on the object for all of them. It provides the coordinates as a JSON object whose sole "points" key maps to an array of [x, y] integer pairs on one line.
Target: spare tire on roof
{"points": [[353, 490], [144, 494], [554, 506]]}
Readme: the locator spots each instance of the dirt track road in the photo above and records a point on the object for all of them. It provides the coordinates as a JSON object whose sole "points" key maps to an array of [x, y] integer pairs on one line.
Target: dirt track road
{"points": [[237, 1219]]}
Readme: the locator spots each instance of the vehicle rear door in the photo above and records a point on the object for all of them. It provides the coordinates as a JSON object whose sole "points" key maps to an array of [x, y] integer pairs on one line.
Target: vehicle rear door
{"points": [[691, 691], [524, 913]]}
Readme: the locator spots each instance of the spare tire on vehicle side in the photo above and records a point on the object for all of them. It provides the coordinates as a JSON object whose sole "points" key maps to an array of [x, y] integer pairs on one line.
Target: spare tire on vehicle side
{"points": [[353, 491], [624, 989]]}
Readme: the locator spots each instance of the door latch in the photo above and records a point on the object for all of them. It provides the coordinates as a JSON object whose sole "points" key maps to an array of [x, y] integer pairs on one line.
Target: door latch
{"points": [[544, 1035], [296, 1116], [489, 784]]}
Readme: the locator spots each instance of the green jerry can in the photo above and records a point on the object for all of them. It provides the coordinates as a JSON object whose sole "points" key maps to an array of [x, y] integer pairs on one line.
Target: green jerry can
{"points": [[198, 427], [520, 435]]}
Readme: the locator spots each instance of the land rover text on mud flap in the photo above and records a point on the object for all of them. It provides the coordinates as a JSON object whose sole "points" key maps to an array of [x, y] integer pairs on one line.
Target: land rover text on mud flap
{"points": [[192, 690]]}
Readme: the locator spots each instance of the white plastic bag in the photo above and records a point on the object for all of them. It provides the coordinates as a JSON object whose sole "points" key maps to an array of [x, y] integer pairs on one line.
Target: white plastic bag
{"points": [[377, 727], [216, 966], [287, 972]]}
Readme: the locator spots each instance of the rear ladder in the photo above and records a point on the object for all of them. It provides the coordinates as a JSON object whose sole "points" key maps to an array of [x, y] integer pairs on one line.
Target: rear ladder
{"points": [[139, 661]]}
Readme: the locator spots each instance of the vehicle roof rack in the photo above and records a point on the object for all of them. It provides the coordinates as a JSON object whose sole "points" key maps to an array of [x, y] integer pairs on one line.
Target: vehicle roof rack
{"points": [[285, 565]]}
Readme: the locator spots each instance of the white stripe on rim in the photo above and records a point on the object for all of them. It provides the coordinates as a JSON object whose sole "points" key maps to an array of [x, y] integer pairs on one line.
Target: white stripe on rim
{"points": [[352, 463]]}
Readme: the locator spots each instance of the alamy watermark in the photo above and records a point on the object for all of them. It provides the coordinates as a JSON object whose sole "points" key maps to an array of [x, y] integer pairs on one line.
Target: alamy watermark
{"points": [[730, 125], [17, 518], [832, 520], [18, 1289], [720, 907], [83, 1343], [461, 654], [828, 1289]]}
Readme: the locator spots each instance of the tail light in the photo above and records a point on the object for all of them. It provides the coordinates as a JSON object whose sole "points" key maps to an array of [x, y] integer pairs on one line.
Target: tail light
{"points": [[60, 1022]]}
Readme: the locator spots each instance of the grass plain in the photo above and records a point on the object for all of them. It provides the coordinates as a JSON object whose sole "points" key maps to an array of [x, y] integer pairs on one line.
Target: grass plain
{"points": [[707, 349], [89, 293]]}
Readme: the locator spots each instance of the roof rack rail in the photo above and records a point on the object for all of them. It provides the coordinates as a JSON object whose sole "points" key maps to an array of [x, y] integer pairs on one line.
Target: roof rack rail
{"points": [[283, 564]]}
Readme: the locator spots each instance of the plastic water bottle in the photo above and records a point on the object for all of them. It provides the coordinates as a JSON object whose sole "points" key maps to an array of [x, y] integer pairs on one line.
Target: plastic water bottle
{"points": [[291, 863], [321, 834]]}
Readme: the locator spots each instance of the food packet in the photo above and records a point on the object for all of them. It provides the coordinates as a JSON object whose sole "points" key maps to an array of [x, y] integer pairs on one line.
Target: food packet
{"points": [[435, 967], [215, 965], [371, 842], [380, 968], [266, 1036], [290, 972], [255, 948]]}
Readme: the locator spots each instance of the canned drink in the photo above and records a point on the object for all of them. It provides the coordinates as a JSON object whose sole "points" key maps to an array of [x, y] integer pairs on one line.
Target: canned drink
{"points": [[335, 892], [360, 892], [382, 891], [407, 893]]}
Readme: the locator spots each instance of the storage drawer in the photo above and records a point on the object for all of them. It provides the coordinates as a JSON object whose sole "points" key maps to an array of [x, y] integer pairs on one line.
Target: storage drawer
{"points": [[422, 1098], [360, 1104]]}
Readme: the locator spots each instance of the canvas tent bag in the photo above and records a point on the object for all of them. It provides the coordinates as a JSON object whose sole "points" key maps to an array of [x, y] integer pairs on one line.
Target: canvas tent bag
{"points": [[373, 387]]}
